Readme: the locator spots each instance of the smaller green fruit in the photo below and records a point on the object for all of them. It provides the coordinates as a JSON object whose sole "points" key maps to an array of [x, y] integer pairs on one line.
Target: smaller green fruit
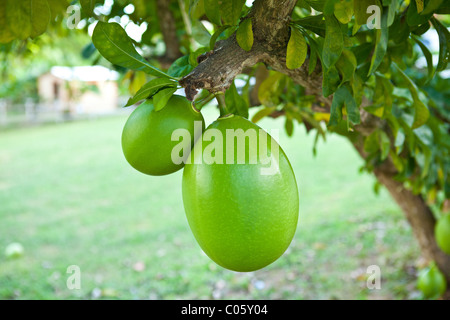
{"points": [[442, 232], [147, 135], [431, 282], [14, 250]]}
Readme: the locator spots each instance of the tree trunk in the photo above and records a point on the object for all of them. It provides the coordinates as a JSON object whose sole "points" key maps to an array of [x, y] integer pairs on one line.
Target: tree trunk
{"points": [[421, 219], [169, 32], [416, 211]]}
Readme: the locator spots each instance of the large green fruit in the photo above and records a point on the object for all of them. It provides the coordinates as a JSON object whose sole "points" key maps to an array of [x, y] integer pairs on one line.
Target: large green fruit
{"points": [[243, 219], [431, 282], [147, 135], [442, 232]]}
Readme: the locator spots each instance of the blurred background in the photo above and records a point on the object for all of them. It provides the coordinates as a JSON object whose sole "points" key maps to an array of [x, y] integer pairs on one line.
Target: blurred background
{"points": [[69, 198]]}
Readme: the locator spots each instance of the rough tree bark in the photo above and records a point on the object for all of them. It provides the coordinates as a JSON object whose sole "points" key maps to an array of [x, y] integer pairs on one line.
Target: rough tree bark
{"points": [[218, 68]]}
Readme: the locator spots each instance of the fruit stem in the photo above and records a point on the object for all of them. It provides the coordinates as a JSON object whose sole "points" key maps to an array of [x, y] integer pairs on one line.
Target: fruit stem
{"points": [[220, 97], [201, 103]]}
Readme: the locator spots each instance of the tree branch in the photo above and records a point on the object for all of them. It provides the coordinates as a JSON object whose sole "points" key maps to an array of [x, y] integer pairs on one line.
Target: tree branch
{"points": [[217, 69], [312, 83], [271, 33]]}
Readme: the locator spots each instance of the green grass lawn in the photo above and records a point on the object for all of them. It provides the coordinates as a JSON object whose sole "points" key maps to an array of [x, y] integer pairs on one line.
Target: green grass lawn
{"points": [[70, 198]]}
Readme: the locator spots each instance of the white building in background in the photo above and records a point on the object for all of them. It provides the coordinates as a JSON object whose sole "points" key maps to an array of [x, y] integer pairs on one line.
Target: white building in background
{"points": [[79, 90]]}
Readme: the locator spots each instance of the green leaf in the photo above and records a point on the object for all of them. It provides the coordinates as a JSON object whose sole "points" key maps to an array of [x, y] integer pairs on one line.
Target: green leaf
{"points": [[244, 35], [355, 28], [235, 103], [358, 88], [334, 42], [196, 9], [40, 15], [212, 11], [296, 50], [392, 12], [421, 111], [162, 97], [329, 6], [346, 65], [180, 67], [353, 114], [312, 61], [378, 141], [217, 33], [88, 6], [421, 114], [27, 18], [200, 33], [381, 44], [315, 24], [315, 52], [343, 97], [360, 7], [230, 10], [413, 18], [149, 89], [262, 114], [113, 43], [399, 140], [269, 89], [140, 8], [88, 50], [371, 144], [361, 52], [193, 56], [399, 31], [420, 30], [428, 57], [427, 157], [330, 81], [5, 33], [388, 88], [289, 127], [58, 7], [385, 145], [18, 19], [343, 10], [444, 46], [377, 110], [317, 4], [432, 6], [425, 135], [419, 4]]}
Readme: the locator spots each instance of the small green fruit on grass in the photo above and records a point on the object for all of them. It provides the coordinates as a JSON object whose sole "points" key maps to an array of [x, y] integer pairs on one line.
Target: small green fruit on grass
{"points": [[14, 250]]}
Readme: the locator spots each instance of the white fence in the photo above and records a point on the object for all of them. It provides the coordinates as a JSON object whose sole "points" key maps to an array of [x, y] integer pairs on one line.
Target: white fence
{"points": [[31, 113]]}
